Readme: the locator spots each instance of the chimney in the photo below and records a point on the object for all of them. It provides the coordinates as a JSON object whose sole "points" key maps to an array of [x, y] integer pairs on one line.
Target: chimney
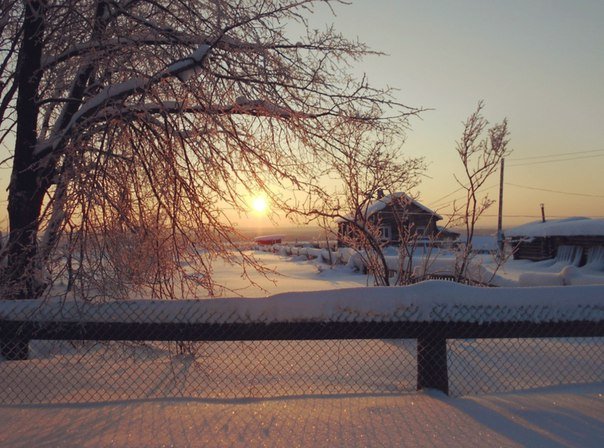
{"points": [[380, 193]]}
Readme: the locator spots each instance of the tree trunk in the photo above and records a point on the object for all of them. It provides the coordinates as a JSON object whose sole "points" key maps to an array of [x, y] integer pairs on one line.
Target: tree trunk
{"points": [[28, 183]]}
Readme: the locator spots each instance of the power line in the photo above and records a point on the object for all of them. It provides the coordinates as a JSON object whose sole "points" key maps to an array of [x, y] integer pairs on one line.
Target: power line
{"points": [[447, 195], [490, 215], [589, 195], [560, 154], [557, 160], [435, 205]]}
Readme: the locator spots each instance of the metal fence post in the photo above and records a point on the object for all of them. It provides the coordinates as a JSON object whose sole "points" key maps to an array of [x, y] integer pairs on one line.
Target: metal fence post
{"points": [[432, 364]]}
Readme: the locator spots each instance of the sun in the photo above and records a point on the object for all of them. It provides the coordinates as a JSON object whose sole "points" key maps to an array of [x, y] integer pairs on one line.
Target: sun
{"points": [[260, 205]]}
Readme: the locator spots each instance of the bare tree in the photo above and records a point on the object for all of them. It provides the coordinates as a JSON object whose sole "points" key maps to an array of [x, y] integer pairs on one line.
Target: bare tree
{"points": [[480, 153], [134, 124], [368, 166], [131, 125]]}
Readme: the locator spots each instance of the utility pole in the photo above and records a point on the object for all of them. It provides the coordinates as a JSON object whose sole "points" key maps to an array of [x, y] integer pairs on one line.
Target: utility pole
{"points": [[542, 212], [500, 215]]}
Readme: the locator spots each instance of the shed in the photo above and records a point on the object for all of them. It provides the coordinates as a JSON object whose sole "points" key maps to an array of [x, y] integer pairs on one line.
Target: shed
{"points": [[540, 240], [268, 240]]}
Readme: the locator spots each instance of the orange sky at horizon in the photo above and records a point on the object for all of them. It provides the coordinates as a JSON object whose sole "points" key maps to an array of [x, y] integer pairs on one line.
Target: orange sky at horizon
{"points": [[538, 63]]}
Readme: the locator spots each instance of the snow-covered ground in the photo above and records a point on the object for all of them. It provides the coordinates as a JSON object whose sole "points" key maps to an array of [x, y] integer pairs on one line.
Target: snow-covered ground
{"points": [[483, 267], [559, 416], [291, 274], [556, 417]]}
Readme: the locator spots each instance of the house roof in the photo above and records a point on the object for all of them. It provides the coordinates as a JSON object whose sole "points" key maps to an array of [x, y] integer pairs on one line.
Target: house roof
{"points": [[577, 226], [268, 238], [380, 204], [447, 232]]}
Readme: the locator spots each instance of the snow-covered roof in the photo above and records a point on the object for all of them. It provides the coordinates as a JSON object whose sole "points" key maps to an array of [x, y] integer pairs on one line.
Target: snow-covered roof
{"points": [[380, 204], [265, 238], [445, 231], [577, 226]]}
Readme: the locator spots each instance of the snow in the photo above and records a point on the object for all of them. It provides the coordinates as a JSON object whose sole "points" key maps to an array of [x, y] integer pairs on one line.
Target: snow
{"points": [[595, 260], [483, 267], [380, 204], [555, 417], [113, 91], [108, 93], [184, 69], [188, 67], [424, 302], [577, 226], [482, 243], [290, 274], [551, 272], [262, 107], [268, 238]]}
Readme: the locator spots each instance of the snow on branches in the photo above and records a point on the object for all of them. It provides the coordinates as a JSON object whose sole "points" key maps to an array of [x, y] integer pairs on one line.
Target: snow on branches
{"points": [[145, 121]]}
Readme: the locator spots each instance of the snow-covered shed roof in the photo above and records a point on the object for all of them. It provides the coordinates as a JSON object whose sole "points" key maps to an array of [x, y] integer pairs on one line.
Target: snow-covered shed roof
{"points": [[268, 238], [380, 204], [577, 226], [447, 232]]}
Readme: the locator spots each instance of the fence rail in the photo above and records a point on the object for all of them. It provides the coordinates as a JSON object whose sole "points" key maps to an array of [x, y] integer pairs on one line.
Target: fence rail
{"points": [[137, 331], [432, 350]]}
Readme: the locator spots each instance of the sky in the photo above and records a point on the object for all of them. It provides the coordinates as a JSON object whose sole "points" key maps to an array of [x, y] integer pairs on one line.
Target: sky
{"points": [[539, 63]]}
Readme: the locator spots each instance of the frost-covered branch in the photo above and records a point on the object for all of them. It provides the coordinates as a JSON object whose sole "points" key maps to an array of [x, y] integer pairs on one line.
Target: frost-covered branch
{"points": [[480, 156], [112, 94], [146, 122]]}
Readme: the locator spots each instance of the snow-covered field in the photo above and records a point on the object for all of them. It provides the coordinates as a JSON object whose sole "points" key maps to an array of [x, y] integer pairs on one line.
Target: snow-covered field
{"points": [[295, 410], [483, 267], [291, 274], [557, 417]]}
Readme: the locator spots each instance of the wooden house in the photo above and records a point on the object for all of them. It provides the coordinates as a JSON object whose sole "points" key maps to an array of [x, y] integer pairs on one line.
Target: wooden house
{"points": [[541, 240], [393, 214]]}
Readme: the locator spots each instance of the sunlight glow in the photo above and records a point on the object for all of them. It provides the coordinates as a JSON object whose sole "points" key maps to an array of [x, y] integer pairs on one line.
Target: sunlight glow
{"points": [[259, 205]]}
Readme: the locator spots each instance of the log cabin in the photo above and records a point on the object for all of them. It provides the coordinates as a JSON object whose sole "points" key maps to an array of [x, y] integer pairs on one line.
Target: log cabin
{"points": [[394, 215]]}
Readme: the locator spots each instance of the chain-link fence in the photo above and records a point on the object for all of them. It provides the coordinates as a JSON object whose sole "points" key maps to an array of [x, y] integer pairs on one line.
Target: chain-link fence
{"points": [[136, 350]]}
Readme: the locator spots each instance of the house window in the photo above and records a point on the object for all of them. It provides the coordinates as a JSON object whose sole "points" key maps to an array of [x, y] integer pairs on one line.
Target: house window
{"points": [[386, 233]]}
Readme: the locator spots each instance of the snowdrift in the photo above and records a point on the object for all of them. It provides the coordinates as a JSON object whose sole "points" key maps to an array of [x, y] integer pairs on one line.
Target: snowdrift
{"points": [[424, 302]]}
